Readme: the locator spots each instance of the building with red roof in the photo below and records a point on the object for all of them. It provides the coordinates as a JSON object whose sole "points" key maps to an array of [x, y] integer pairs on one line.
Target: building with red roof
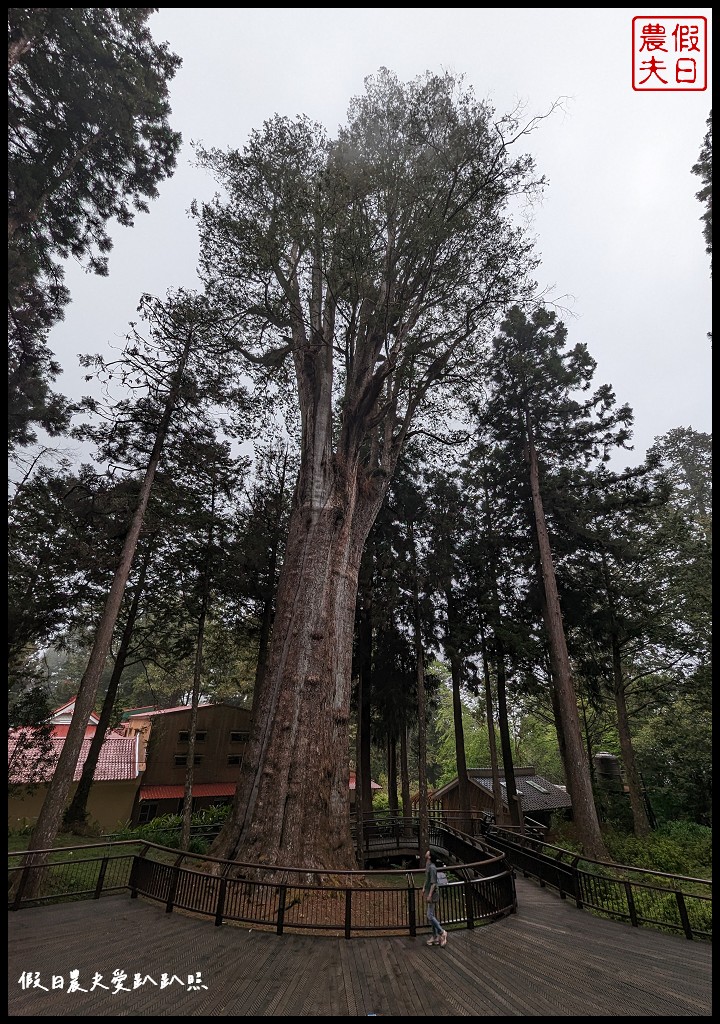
{"points": [[115, 782]]}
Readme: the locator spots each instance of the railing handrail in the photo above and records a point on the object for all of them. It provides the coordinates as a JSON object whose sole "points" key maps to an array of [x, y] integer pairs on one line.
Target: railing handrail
{"points": [[186, 854], [577, 857]]}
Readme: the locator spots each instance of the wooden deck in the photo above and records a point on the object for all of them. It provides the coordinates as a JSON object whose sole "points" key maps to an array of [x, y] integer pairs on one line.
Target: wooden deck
{"points": [[549, 959]]}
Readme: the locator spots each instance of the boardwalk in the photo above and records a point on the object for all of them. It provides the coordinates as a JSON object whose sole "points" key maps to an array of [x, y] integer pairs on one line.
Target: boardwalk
{"points": [[549, 959]]}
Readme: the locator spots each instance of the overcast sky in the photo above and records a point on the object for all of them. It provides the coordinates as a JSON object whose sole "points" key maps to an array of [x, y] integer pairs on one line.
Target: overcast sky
{"points": [[618, 231]]}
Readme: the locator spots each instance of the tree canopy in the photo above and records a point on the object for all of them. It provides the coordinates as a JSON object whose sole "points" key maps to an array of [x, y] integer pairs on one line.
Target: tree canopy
{"points": [[89, 139]]}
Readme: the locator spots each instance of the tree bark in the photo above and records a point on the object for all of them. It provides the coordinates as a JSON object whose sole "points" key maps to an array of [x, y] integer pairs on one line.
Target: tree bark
{"points": [[423, 825], [641, 822], [492, 745], [465, 823], [292, 805], [511, 793], [76, 813], [578, 778], [197, 675]]}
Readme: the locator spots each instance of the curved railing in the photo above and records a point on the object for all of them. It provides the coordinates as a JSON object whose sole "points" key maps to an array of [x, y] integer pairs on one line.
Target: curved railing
{"points": [[655, 899], [481, 868], [281, 898]]}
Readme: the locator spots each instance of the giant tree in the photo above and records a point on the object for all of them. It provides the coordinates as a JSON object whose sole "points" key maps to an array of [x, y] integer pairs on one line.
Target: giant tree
{"points": [[373, 261]]}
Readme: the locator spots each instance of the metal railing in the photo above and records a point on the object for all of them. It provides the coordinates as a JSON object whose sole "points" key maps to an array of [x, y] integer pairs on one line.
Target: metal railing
{"points": [[482, 866], [278, 898], [655, 899]]}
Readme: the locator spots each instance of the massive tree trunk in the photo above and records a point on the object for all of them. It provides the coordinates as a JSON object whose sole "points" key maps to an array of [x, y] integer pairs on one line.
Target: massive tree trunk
{"points": [[578, 772], [292, 805]]}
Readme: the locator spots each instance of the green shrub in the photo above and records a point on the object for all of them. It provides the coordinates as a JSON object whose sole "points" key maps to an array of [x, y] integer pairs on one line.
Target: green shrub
{"points": [[679, 847]]}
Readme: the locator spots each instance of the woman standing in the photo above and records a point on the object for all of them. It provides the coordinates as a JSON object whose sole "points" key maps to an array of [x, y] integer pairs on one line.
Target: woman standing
{"points": [[431, 893]]}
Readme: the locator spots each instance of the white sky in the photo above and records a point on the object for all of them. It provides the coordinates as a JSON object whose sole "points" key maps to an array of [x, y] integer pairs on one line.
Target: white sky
{"points": [[619, 229]]}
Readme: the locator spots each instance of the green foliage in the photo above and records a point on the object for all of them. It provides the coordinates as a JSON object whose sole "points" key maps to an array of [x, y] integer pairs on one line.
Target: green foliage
{"points": [[703, 168], [88, 142], [674, 750], [380, 800], [680, 848], [166, 829]]}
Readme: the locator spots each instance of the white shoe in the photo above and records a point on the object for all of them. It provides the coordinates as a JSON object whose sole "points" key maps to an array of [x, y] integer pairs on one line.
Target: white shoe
{"points": [[443, 938]]}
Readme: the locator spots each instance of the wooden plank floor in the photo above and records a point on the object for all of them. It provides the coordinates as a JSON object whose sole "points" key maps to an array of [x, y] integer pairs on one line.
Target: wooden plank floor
{"points": [[549, 959]]}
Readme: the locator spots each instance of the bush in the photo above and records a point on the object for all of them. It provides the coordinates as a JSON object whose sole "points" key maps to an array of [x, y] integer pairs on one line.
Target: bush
{"points": [[166, 829], [678, 847]]}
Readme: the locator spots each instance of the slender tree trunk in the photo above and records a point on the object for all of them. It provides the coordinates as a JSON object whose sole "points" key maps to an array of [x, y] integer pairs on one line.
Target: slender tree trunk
{"points": [[451, 648], [405, 780], [641, 822], [363, 788], [392, 776], [423, 826], [197, 676], [50, 817], [364, 792], [77, 811], [490, 718], [579, 780], [511, 794]]}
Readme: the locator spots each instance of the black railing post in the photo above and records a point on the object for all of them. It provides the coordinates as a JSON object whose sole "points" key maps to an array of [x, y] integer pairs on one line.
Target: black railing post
{"points": [[348, 912], [687, 927], [631, 904], [576, 883], [469, 899], [21, 888], [101, 878], [282, 896], [412, 916], [173, 888], [220, 907], [132, 880]]}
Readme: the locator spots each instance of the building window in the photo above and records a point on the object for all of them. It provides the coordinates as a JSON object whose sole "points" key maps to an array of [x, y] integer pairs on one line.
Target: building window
{"points": [[239, 737], [148, 811], [184, 736], [234, 758], [181, 760]]}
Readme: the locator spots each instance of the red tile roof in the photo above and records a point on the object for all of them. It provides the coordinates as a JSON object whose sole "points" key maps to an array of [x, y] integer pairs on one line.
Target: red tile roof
{"points": [[178, 792], [373, 785], [118, 760]]}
